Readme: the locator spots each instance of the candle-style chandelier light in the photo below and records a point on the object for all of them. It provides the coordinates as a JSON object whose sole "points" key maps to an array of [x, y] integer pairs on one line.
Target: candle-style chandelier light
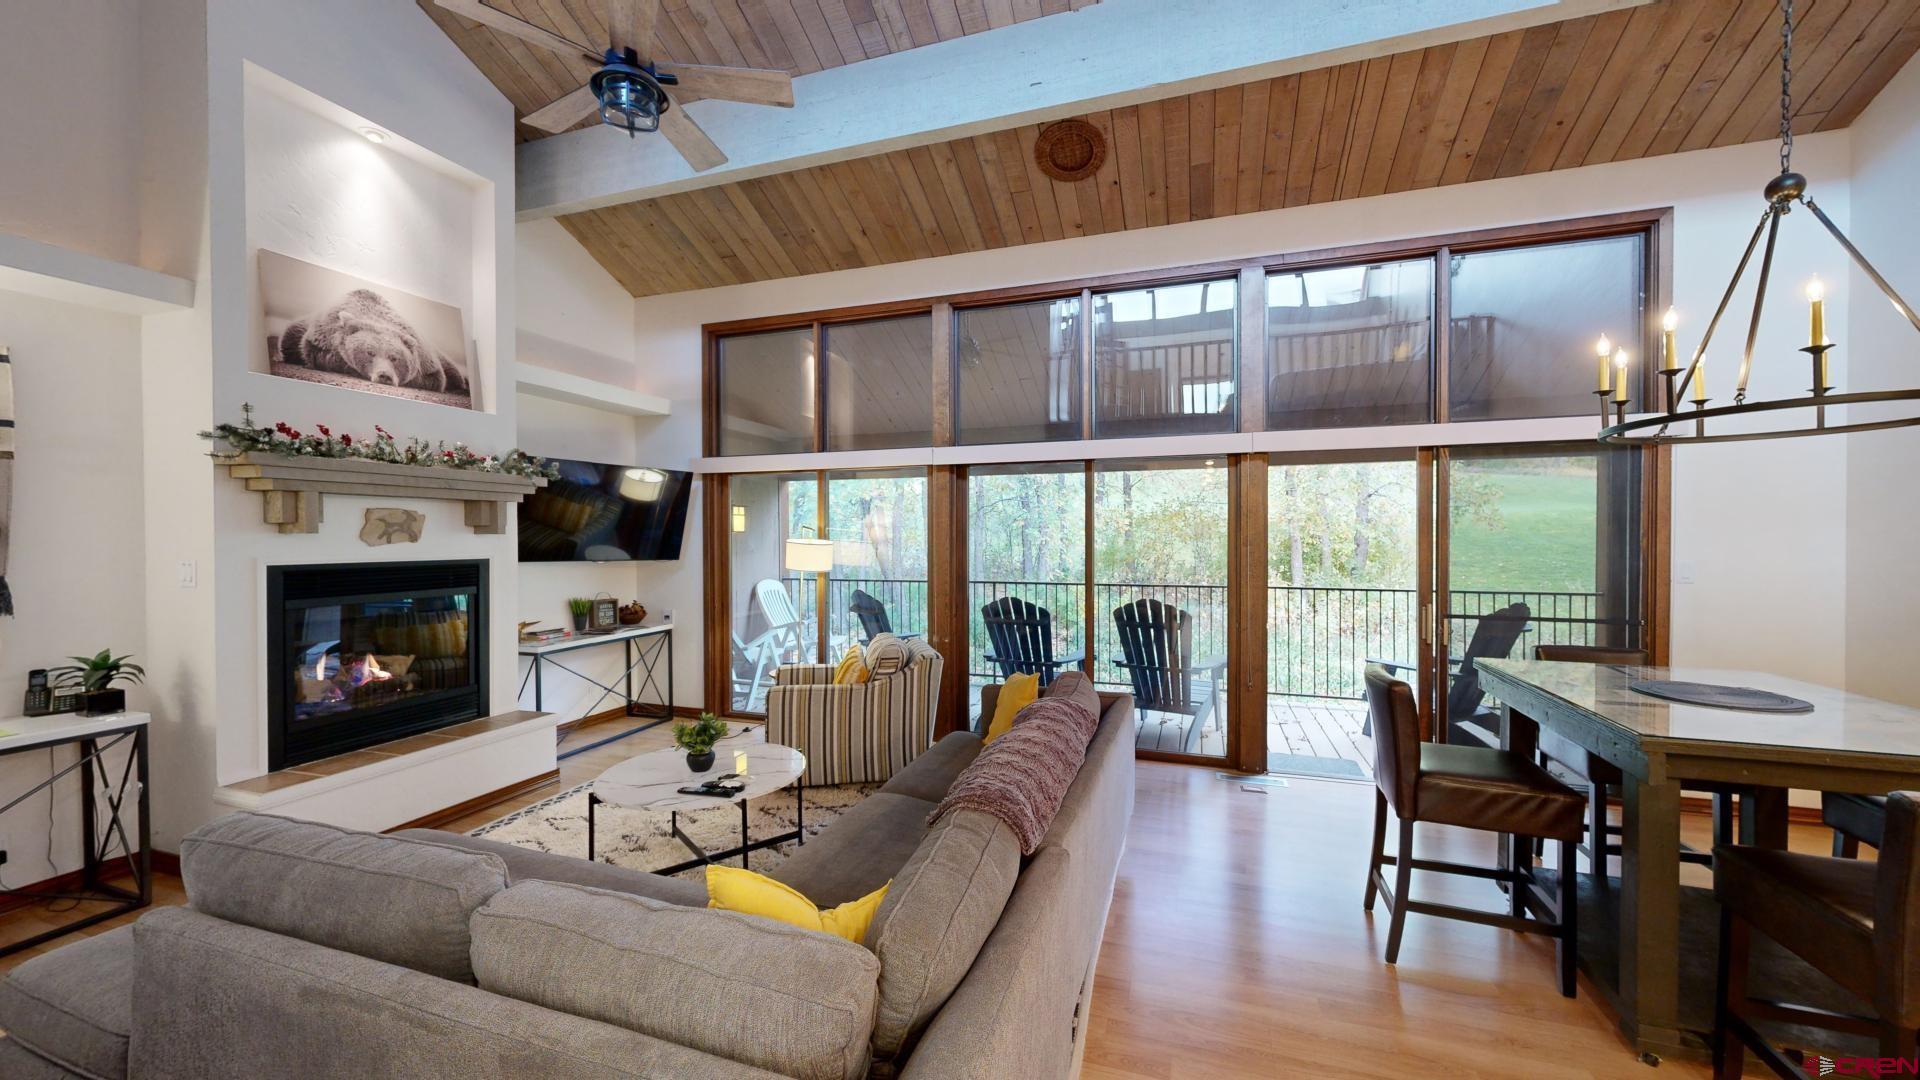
{"points": [[1689, 424]]}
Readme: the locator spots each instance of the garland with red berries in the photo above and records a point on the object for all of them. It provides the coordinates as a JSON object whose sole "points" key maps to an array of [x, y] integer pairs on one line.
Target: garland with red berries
{"points": [[283, 440]]}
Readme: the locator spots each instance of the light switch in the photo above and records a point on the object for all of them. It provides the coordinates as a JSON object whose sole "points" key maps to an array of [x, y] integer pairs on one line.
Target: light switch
{"points": [[1683, 572]]}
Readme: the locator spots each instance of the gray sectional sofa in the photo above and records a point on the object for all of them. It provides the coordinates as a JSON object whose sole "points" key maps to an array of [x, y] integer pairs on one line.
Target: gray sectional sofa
{"points": [[309, 951]]}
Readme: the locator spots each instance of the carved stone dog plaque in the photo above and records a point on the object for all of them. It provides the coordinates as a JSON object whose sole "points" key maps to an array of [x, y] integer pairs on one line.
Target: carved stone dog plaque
{"points": [[389, 525]]}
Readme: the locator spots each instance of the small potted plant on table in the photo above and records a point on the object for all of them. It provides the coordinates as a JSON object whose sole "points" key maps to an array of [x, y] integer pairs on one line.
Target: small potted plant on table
{"points": [[95, 676], [580, 607], [697, 740]]}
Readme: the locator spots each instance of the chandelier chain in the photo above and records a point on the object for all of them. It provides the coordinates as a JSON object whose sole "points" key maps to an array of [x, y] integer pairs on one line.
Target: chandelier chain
{"points": [[1786, 86]]}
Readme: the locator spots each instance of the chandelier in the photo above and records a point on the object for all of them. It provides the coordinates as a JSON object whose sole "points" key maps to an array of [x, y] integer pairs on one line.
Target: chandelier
{"points": [[1689, 423]]}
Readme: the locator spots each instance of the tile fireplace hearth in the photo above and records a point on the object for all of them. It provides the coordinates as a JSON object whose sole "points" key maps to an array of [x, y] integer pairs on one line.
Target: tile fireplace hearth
{"points": [[360, 654]]}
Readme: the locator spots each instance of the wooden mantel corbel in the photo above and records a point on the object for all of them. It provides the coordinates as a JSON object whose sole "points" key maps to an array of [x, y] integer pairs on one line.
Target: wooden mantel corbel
{"points": [[291, 487]]}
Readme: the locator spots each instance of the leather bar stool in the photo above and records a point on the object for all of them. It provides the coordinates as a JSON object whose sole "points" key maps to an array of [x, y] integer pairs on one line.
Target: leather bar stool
{"points": [[1855, 820], [1857, 922], [1475, 787]]}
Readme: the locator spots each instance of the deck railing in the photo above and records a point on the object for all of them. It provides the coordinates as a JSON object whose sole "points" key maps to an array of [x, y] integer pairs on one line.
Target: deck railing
{"points": [[1319, 638]]}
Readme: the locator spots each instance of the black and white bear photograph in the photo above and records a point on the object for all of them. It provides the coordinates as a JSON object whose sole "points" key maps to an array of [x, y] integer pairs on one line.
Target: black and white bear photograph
{"points": [[328, 327]]}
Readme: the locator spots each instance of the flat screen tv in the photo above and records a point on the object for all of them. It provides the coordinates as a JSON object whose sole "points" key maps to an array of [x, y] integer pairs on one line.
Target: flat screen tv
{"points": [[605, 513]]}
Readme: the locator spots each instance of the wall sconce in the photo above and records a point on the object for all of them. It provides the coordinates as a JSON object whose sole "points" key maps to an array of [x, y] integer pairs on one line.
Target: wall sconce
{"points": [[809, 554], [642, 485], [739, 519]]}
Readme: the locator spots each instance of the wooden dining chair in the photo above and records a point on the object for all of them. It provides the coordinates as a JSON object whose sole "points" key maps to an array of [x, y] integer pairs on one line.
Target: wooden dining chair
{"points": [[1020, 635], [1856, 922], [1474, 787], [1855, 820]]}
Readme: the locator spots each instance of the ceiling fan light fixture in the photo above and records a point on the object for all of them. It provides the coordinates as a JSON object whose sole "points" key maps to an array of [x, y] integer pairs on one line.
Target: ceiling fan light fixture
{"points": [[629, 94]]}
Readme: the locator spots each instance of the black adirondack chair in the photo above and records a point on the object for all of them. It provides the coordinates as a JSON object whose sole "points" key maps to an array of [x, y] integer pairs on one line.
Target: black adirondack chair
{"points": [[1021, 637], [1156, 647], [871, 613], [1468, 720]]}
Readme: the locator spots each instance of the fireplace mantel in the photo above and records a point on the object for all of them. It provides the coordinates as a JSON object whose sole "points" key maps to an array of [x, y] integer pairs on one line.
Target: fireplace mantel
{"points": [[291, 487]]}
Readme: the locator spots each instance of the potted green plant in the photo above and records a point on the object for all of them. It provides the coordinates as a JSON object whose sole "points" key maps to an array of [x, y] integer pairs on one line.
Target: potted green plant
{"points": [[95, 677], [697, 740], [580, 607]]}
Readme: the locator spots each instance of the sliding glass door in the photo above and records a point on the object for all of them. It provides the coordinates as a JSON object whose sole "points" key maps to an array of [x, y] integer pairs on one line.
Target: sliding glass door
{"points": [[774, 610], [1343, 589], [1542, 546], [1026, 599]]}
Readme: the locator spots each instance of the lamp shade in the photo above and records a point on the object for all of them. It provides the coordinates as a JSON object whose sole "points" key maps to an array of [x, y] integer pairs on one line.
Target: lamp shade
{"points": [[806, 554], [642, 485]]}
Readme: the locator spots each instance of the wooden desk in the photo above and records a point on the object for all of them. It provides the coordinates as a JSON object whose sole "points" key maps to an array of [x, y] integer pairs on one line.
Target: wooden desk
{"points": [[1848, 743]]}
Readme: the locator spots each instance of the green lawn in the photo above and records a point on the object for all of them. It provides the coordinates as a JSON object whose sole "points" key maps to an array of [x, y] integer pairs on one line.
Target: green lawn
{"points": [[1543, 540]]}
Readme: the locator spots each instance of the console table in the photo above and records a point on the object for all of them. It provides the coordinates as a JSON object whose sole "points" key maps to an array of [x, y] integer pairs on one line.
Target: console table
{"points": [[646, 647], [95, 736]]}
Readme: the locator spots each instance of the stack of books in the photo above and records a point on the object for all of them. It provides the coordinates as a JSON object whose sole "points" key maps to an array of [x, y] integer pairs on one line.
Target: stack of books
{"points": [[542, 637]]}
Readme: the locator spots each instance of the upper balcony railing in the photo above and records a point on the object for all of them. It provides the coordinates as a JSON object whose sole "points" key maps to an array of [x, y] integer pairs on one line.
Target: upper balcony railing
{"points": [[1318, 638]]}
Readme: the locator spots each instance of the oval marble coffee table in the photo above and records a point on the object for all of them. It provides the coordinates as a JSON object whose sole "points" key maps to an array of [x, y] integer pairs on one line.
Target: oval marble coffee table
{"points": [[652, 781]]}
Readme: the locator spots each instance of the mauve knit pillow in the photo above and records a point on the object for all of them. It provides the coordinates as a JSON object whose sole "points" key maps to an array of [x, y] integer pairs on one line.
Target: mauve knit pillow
{"points": [[1022, 777]]}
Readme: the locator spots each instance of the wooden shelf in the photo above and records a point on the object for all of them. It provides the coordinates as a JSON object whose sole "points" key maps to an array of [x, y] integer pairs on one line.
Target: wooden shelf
{"points": [[579, 390], [291, 487]]}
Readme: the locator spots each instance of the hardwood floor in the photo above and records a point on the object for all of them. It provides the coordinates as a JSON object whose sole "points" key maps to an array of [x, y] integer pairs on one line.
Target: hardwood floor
{"points": [[1236, 946]]}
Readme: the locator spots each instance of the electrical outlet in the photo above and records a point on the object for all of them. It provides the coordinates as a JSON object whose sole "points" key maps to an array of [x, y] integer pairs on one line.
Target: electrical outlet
{"points": [[188, 574], [667, 615]]}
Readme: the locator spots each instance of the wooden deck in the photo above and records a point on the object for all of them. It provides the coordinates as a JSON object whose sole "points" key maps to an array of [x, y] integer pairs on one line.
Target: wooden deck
{"points": [[1320, 728]]}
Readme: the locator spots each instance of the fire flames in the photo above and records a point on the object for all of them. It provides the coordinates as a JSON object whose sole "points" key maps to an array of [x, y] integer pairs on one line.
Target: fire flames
{"points": [[359, 672]]}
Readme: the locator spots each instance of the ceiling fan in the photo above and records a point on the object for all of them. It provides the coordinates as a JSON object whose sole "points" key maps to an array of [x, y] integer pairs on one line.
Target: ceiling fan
{"points": [[630, 88]]}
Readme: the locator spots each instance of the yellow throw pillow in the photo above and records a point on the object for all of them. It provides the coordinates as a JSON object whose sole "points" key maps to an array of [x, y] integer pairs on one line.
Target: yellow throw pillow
{"points": [[852, 668], [1018, 692], [730, 888]]}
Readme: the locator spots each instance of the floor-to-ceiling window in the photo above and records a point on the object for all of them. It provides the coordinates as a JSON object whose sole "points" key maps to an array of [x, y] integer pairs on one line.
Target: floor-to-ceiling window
{"points": [[773, 609], [1026, 572], [1119, 561], [877, 521], [1160, 597], [1343, 579]]}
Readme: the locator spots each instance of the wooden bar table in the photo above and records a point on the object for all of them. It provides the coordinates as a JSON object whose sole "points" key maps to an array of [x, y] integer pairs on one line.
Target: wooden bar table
{"points": [[1847, 743]]}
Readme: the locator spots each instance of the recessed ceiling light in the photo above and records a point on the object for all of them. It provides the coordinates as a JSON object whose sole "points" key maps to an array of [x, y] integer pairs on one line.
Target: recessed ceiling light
{"points": [[374, 135]]}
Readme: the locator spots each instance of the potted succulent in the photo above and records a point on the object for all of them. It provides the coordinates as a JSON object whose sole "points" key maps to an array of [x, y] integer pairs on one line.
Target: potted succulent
{"points": [[580, 607], [95, 677], [697, 740]]}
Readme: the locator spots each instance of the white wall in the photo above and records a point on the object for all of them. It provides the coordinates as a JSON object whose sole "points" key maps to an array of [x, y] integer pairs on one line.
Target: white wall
{"points": [[1768, 589], [75, 556], [286, 84], [1883, 578], [574, 317]]}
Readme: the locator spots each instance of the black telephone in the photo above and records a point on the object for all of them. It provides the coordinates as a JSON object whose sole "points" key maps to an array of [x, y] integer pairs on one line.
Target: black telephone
{"points": [[42, 700]]}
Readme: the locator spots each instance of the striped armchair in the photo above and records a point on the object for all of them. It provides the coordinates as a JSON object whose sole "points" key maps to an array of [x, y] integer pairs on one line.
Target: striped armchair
{"points": [[859, 733]]}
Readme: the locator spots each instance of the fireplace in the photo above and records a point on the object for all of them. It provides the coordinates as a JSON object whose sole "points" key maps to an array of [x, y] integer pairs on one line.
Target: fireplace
{"points": [[365, 653]]}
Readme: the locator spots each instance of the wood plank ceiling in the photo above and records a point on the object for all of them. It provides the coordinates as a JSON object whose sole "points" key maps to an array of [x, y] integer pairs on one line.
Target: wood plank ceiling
{"points": [[1668, 76], [796, 36]]}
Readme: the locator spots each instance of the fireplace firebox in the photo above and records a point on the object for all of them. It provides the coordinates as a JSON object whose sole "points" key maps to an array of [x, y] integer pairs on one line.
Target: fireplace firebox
{"points": [[364, 653]]}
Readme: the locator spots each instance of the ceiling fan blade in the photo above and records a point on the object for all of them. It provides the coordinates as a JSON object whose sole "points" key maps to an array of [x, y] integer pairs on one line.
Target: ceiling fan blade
{"points": [[507, 24], [693, 144], [631, 23], [564, 112], [755, 86]]}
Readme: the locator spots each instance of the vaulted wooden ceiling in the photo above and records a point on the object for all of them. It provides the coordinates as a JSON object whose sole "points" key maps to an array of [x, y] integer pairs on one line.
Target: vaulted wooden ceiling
{"points": [[1655, 79], [796, 36]]}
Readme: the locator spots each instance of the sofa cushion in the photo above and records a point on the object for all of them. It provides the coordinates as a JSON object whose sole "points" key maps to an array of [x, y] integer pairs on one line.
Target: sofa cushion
{"points": [[74, 1005], [792, 1001], [402, 901], [941, 908], [19, 1063], [1076, 687], [933, 772], [526, 864], [858, 853], [886, 654]]}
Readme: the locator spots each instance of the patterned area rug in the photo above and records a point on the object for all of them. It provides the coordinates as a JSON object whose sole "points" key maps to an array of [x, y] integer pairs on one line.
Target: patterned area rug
{"points": [[643, 839]]}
